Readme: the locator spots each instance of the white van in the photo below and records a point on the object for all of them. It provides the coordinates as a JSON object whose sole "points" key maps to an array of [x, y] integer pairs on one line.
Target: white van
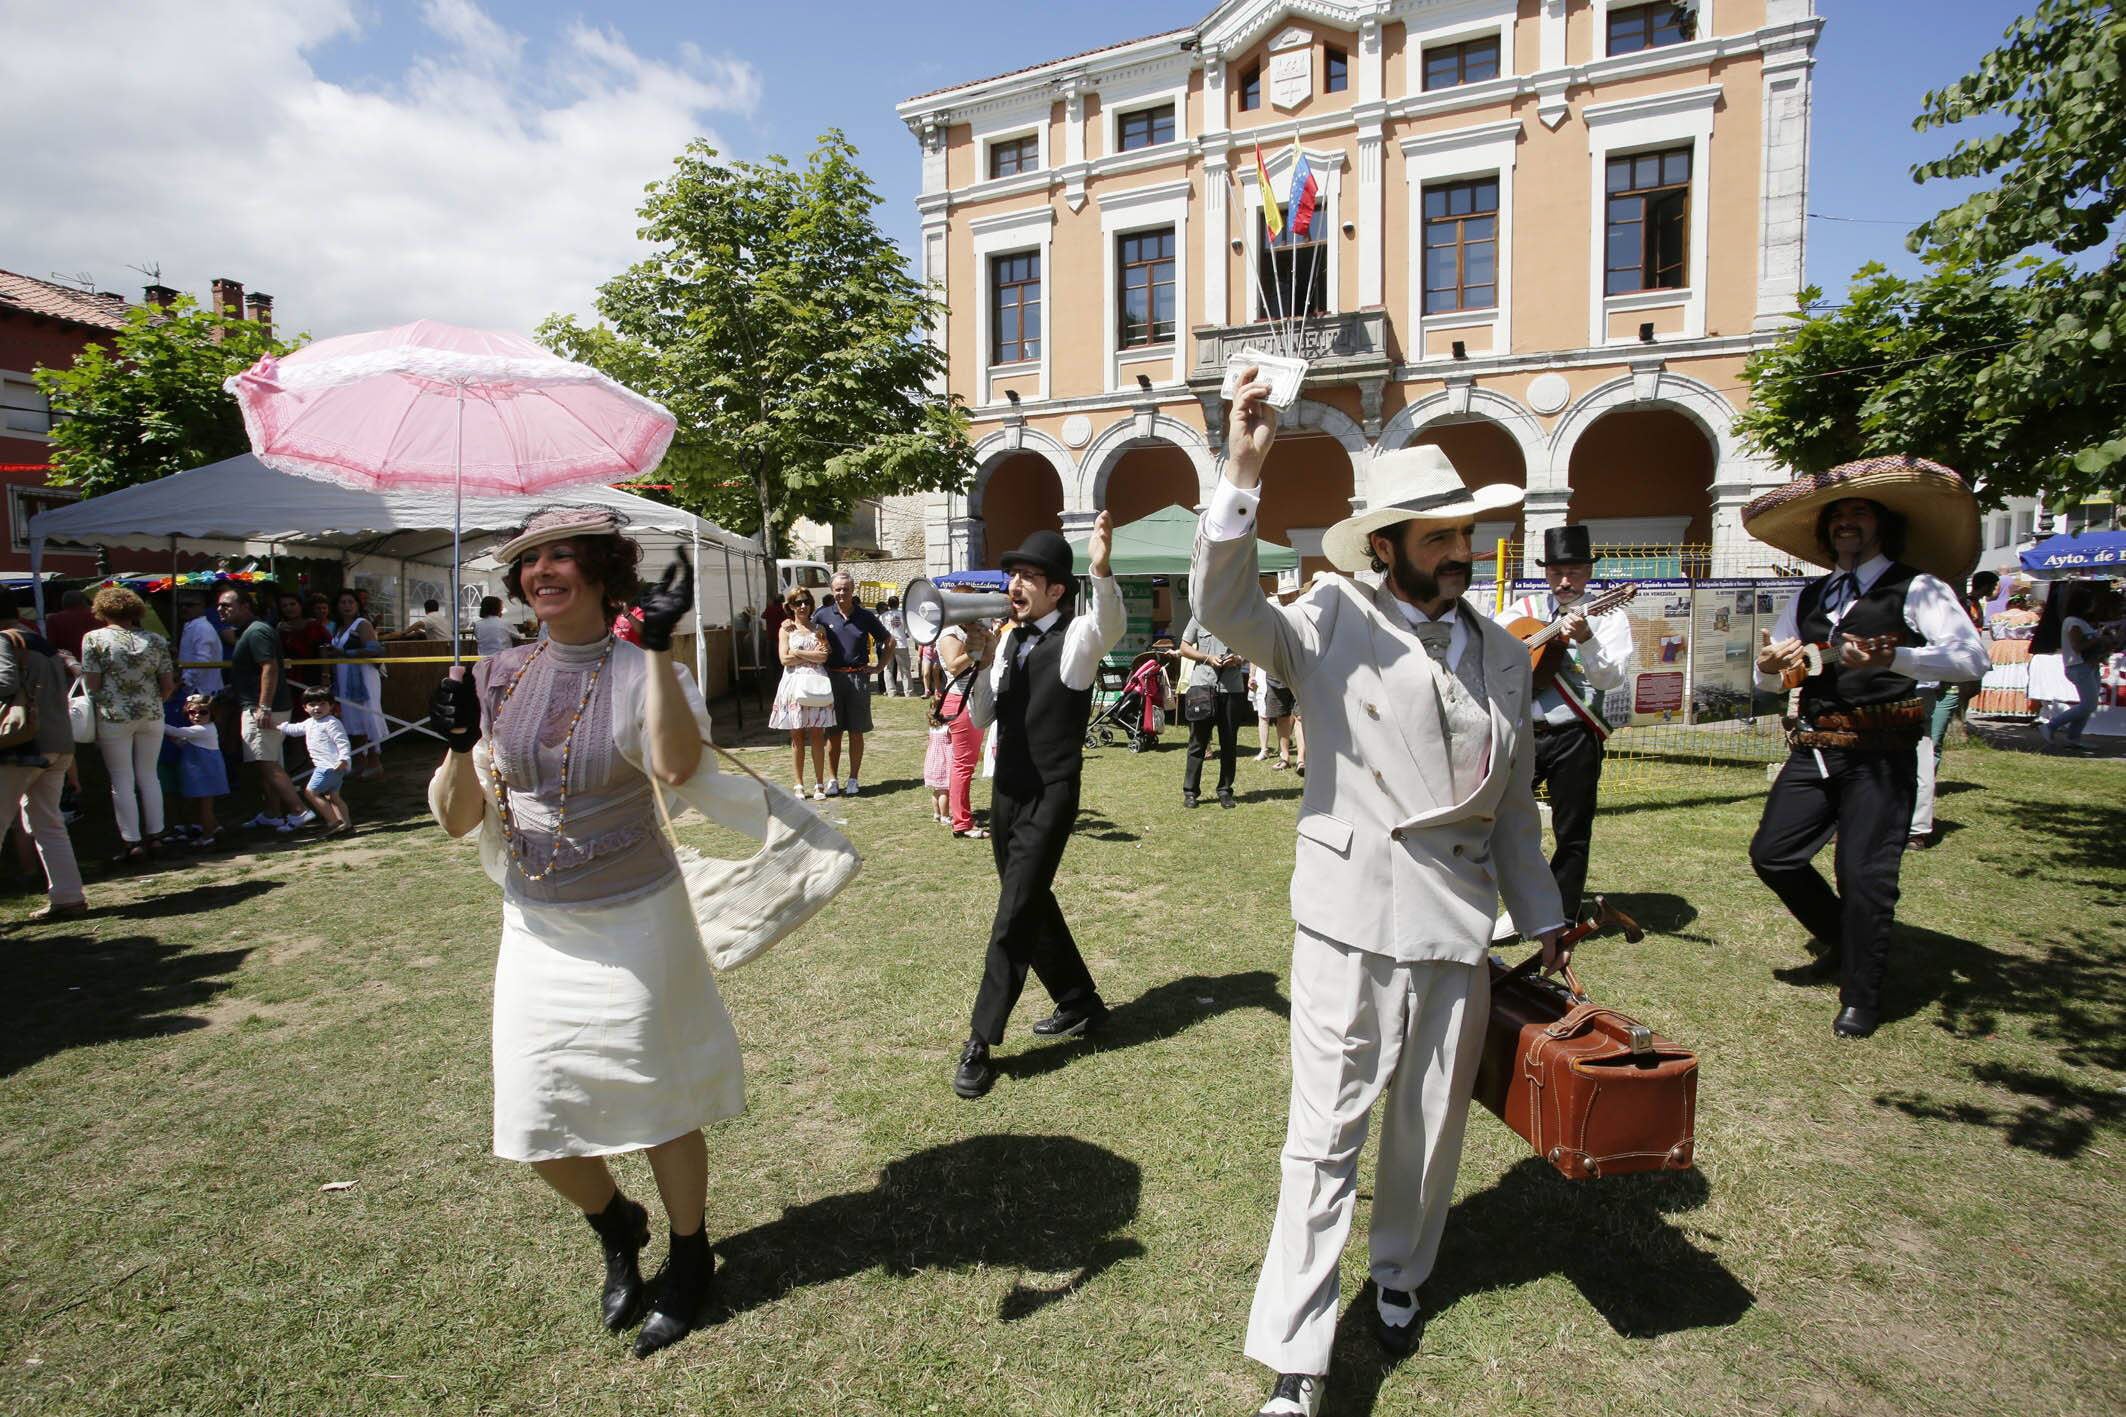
{"points": [[812, 575]]}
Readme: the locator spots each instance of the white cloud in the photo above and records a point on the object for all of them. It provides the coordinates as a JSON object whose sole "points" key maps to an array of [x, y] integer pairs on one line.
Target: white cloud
{"points": [[485, 185]]}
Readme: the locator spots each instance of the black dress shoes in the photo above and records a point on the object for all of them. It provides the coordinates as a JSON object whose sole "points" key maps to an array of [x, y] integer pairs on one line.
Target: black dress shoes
{"points": [[1225, 797], [623, 1229], [975, 1076], [1070, 1023], [1397, 1334], [689, 1277], [1854, 1022], [1188, 799]]}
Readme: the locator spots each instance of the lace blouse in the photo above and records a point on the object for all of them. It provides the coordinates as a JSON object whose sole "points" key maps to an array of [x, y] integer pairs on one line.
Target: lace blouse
{"points": [[611, 849]]}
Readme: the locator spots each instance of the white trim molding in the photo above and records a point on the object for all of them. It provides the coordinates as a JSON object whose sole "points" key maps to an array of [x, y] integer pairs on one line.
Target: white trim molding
{"points": [[1144, 209], [1483, 150], [1601, 27], [1004, 234], [1456, 22], [1635, 125], [1118, 98], [1146, 427]]}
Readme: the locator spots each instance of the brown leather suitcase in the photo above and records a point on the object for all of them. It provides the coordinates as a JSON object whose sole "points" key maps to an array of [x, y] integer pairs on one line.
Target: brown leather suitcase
{"points": [[1596, 1093]]}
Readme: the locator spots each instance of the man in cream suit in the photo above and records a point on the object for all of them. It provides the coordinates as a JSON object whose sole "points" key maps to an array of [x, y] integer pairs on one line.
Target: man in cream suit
{"points": [[1417, 817]]}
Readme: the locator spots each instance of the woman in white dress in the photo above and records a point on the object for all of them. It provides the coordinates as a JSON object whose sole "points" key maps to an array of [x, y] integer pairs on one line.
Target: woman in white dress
{"points": [[609, 1034], [359, 686], [802, 648]]}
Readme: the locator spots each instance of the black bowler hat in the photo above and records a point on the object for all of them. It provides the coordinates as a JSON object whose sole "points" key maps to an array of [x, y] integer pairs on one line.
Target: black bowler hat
{"points": [[1566, 546], [1046, 552]]}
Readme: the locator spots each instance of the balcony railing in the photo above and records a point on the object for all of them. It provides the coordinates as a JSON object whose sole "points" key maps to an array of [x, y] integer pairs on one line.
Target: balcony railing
{"points": [[1349, 346]]}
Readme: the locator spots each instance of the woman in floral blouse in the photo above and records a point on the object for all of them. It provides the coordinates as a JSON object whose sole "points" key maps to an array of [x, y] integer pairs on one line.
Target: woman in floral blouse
{"points": [[129, 673]]}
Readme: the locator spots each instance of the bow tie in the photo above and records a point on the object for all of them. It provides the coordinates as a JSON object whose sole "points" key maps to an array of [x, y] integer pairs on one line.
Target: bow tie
{"points": [[1436, 636]]}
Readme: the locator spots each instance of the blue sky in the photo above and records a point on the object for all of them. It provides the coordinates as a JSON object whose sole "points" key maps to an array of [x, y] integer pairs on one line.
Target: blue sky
{"points": [[386, 158]]}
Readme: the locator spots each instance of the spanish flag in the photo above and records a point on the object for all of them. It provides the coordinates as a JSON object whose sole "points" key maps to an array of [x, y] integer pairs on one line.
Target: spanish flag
{"points": [[1272, 214]]}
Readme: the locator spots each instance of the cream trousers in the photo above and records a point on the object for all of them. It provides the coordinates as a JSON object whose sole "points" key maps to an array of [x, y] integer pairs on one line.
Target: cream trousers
{"points": [[1364, 1024]]}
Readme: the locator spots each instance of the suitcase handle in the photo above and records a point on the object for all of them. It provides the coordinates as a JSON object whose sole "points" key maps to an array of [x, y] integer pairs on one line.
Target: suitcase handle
{"points": [[1604, 916]]}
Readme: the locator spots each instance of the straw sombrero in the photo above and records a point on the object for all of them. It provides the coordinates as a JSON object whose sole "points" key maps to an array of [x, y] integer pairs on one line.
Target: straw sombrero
{"points": [[1941, 515], [1410, 484]]}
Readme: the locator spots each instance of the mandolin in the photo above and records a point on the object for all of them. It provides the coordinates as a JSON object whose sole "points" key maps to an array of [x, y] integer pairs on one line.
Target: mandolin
{"points": [[1546, 639]]}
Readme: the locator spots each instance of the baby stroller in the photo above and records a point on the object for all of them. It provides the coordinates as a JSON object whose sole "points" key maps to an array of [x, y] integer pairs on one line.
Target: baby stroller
{"points": [[1138, 709]]}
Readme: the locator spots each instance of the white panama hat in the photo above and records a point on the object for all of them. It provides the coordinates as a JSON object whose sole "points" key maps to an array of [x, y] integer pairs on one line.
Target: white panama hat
{"points": [[1409, 484]]}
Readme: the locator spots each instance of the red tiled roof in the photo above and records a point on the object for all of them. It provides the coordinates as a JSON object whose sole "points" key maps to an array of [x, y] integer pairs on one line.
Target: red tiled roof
{"points": [[99, 310], [1086, 54]]}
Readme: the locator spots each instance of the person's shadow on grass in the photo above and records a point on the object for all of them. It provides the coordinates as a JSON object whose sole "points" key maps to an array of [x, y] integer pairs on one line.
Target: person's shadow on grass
{"points": [[1610, 1238], [1046, 1205], [1158, 1013], [76, 991]]}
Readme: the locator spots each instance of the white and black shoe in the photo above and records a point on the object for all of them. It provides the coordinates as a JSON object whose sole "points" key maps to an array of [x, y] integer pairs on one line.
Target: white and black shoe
{"points": [[1296, 1395], [1395, 1320]]}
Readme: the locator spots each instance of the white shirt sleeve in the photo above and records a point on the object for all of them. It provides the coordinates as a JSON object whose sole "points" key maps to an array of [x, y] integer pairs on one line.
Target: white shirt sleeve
{"points": [[1231, 514], [298, 727], [1953, 652], [1091, 636], [1606, 656], [1784, 628]]}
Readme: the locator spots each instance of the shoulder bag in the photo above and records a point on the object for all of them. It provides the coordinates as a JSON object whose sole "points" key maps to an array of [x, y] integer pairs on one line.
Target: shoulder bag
{"points": [[743, 907], [81, 711]]}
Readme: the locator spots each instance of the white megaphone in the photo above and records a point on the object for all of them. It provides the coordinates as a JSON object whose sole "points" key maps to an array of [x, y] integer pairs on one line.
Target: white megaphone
{"points": [[930, 610]]}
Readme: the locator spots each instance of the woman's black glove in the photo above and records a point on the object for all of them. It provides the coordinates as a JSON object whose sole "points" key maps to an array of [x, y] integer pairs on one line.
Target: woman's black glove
{"points": [[665, 604], [454, 713]]}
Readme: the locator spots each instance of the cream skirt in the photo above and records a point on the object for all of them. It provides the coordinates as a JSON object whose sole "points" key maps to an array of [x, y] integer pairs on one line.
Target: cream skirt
{"points": [[609, 1033]]}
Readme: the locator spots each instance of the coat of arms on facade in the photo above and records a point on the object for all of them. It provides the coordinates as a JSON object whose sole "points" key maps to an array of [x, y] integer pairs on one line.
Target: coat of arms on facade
{"points": [[1291, 69]]}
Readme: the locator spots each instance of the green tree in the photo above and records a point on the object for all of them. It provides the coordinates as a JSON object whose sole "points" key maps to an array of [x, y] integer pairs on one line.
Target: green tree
{"points": [[152, 403], [784, 332], [2007, 359]]}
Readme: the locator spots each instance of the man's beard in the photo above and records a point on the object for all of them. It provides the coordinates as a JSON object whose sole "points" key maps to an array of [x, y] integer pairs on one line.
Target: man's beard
{"points": [[1420, 586]]}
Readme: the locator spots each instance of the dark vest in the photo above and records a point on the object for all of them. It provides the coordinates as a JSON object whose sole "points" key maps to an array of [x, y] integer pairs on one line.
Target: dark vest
{"points": [[1040, 721], [1879, 612]]}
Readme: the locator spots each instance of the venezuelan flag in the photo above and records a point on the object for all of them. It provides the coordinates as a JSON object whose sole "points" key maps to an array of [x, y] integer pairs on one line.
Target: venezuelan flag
{"points": [[1272, 214], [1304, 194]]}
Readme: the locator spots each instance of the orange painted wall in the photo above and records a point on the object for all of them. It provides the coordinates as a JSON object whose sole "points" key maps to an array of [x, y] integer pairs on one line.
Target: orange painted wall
{"points": [[1146, 479], [1481, 451], [1643, 463], [1022, 496]]}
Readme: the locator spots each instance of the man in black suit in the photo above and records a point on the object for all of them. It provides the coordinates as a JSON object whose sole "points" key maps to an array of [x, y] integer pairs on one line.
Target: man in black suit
{"points": [[1038, 693]]}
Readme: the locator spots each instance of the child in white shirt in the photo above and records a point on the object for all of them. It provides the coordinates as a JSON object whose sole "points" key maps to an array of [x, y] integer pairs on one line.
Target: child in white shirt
{"points": [[331, 754]]}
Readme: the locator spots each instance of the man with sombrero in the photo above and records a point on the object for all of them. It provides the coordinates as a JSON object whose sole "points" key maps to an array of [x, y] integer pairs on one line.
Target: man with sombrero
{"points": [[1569, 728], [1894, 531], [1416, 816]]}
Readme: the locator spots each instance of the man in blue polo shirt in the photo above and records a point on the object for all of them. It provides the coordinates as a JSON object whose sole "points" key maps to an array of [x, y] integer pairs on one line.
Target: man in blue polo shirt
{"points": [[848, 627]]}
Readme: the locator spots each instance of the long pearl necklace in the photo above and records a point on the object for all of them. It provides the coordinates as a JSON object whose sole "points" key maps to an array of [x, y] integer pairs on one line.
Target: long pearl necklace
{"points": [[568, 745]]}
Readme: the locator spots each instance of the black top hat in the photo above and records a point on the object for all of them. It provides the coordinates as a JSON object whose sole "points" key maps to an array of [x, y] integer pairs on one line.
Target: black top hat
{"points": [[1566, 545], [1046, 552]]}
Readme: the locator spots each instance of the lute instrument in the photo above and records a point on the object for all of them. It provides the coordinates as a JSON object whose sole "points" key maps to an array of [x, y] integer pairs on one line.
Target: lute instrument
{"points": [[1545, 639]]}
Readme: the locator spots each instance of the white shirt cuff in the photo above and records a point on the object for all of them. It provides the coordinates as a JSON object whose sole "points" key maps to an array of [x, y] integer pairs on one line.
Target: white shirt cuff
{"points": [[1231, 514]]}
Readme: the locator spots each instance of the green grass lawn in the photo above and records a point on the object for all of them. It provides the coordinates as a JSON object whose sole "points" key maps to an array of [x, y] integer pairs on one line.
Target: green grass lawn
{"points": [[1926, 1222]]}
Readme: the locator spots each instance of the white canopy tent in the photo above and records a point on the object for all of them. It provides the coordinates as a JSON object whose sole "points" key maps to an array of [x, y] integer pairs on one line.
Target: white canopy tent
{"points": [[241, 507]]}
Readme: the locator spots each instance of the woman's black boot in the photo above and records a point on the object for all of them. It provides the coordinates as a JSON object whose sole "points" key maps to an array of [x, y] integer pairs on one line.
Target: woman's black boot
{"points": [[680, 1299], [623, 1229]]}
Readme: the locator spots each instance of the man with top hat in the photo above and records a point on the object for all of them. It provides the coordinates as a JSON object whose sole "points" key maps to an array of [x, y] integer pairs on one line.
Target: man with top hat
{"points": [[1417, 815], [1039, 694], [1860, 640], [1569, 728]]}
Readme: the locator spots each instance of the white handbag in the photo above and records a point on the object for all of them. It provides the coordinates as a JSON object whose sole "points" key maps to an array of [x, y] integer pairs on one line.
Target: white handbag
{"points": [[743, 907], [810, 687], [81, 711]]}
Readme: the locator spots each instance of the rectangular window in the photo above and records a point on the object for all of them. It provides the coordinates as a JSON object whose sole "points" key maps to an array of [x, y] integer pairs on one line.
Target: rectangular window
{"points": [[2025, 526], [1147, 127], [1462, 246], [1011, 156], [1335, 69], [1471, 61], [1647, 221], [1294, 276], [2000, 532], [1650, 27], [1251, 90], [1145, 310], [24, 502], [1015, 306], [23, 408]]}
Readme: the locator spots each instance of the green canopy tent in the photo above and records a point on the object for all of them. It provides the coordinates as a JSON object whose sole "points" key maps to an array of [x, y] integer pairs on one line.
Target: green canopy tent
{"points": [[1163, 543]]}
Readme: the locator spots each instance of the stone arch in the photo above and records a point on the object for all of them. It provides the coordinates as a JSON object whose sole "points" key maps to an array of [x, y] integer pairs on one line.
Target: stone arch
{"points": [[1312, 417], [1698, 402], [1088, 494], [1475, 403], [991, 451]]}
